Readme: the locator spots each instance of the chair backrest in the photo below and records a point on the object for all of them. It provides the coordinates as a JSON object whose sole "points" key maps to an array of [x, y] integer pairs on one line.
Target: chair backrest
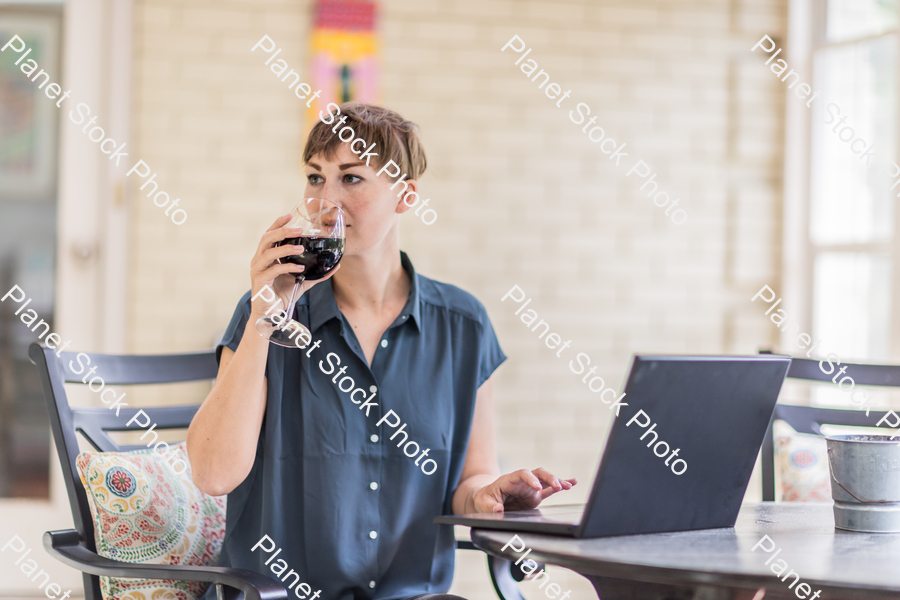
{"points": [[95, 423], [807, 419]]}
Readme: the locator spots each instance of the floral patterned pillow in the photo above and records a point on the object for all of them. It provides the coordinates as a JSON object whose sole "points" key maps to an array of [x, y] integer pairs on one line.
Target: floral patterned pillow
{"points": [[803, 465], [144, 511]]}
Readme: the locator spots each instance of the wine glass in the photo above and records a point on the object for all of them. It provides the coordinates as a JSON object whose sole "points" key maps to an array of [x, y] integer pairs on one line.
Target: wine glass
{"points": [[322, 238]]}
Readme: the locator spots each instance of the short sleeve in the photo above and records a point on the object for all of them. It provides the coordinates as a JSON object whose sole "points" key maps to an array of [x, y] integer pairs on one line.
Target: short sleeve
{"points": [[235, 330], [490, 355]]}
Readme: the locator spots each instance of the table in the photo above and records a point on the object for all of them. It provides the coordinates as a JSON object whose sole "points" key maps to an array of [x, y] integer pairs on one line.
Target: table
{"points": [[718, 564]]}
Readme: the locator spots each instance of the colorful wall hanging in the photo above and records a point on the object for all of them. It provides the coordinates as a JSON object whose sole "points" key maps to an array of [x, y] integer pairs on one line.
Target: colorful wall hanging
{"points": [[344, 54]]}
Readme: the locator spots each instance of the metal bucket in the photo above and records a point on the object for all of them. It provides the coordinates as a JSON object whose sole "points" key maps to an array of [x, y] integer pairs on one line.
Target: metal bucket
{"points": [[865, 482]]}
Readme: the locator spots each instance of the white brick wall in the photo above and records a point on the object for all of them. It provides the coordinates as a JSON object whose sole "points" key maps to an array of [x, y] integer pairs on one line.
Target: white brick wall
{"points": [[520, 192]]}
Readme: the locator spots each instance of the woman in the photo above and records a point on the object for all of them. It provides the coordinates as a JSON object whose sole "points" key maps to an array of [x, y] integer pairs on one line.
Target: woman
{"points": [[319, 474]]}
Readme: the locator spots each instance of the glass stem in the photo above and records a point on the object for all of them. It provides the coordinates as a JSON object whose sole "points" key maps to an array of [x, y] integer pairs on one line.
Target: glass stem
{"points": [[298, 281]]}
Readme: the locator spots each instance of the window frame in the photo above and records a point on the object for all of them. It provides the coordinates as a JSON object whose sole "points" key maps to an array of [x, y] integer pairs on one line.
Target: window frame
{"points": [[806, 37]]}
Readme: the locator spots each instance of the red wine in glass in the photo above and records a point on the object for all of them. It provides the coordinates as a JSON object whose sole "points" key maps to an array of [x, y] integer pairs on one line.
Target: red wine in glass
{"points": [[322, 225], [320, 254]]}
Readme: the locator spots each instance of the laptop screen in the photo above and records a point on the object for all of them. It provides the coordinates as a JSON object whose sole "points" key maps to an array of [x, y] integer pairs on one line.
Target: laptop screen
{"points": [[680, 454]]}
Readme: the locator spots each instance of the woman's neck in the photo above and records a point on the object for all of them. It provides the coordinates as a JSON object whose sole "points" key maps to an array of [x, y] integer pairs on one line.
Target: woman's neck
{"points": [[372, 281]]}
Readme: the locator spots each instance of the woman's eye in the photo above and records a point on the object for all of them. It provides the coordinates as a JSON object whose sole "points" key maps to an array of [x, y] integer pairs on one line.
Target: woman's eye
{"points": [[314, 178], [352, 178]]}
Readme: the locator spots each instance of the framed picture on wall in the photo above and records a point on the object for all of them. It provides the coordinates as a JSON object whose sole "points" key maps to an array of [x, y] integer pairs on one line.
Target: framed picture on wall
{"points": [[28, 118]]}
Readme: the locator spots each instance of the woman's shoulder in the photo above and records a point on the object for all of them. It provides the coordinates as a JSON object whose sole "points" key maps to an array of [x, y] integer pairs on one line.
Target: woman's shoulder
{"points": [[452, 298], [243, 305]]}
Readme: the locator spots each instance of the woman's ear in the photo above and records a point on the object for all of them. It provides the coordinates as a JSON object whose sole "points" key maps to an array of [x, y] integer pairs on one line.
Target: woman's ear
{"points": [[408, 196]]}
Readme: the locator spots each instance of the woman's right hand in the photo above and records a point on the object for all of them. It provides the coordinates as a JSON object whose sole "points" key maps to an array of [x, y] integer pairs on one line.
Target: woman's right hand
{"points": [[265, 270]]}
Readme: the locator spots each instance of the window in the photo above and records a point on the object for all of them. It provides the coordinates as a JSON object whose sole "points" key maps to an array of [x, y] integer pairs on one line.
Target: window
{"points": [[28, 195], [846, 259]]}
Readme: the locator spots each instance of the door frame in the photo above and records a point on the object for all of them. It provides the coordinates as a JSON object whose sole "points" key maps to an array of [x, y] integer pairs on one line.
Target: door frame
{"points": [[93, 247]]}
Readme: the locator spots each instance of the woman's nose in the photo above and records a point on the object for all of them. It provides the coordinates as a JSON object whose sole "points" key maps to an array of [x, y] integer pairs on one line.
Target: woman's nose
{"points": [[332, 193]]}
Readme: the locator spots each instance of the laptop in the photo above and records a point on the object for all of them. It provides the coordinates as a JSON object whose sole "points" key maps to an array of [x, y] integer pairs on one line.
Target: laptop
{"points": [[714, 410]]}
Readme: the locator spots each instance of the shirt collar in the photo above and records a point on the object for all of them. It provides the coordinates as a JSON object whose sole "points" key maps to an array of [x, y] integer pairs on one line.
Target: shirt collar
{"points": [[323, 307]]}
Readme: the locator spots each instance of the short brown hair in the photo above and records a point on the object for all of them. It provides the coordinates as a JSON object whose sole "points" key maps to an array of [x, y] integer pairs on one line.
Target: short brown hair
{"points": [[394, 137]]}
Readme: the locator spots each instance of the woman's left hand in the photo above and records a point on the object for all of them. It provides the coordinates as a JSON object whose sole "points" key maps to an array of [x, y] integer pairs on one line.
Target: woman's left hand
{"points": [[519, 490]]}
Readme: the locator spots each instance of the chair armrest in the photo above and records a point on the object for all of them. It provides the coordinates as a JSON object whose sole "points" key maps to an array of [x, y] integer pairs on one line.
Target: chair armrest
{"points": [[505, 575], [67, 547]]}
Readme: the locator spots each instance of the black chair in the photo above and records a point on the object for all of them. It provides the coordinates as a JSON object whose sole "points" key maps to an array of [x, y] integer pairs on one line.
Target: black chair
{"points": [[76, 548], [807, 419]]}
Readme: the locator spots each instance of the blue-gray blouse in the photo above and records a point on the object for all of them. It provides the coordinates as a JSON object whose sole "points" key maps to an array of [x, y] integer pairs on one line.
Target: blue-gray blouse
{"points": [[348, 501]]}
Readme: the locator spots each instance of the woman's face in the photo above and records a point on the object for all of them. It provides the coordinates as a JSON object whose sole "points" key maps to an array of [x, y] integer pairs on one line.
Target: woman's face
{"points": [[371, 208]]}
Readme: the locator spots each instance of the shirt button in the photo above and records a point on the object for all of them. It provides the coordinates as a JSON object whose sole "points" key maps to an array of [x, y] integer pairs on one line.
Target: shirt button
{"points": [[373, 388], [373, 534], [371, 584], [384, 343], [374, 437], [373, 486]]}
